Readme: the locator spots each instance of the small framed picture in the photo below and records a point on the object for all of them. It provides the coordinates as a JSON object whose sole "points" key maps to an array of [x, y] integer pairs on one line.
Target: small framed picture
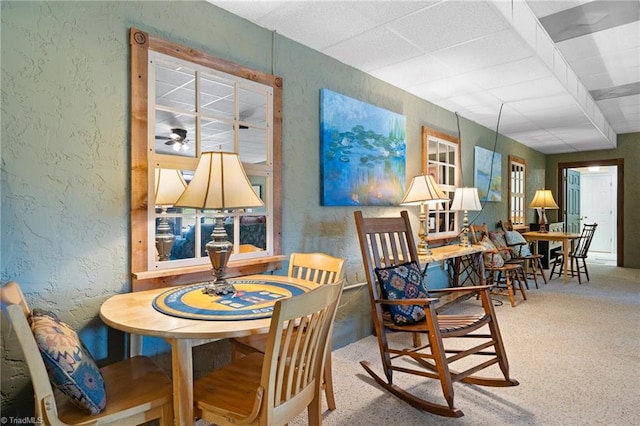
{"points": [[257, 189]]}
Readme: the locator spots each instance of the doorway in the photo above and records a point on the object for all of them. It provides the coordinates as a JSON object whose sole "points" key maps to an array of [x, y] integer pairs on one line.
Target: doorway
{"points": [[591, 192]]}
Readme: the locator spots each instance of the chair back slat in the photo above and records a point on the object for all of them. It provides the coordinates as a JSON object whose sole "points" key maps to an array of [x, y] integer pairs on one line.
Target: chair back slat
{"points": [[584, 242], [296, 348], [319, 268], [385, 241]]}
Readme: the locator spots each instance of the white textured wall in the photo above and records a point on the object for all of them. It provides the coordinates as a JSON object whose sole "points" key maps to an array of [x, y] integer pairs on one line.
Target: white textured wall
{"points": [[65, 157]]}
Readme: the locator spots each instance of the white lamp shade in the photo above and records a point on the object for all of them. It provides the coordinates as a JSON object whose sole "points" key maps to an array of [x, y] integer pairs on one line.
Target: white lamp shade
{"points": [[169, 186], [219, 182], [423, 189], [543, 200], [466, 199]]}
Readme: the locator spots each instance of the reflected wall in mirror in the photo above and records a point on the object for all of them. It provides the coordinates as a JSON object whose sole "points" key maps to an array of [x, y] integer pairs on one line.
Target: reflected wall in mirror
{"points": [[185, 103]]}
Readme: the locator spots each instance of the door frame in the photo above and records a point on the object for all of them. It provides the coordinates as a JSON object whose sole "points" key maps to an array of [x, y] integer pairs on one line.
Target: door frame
{"points": [[619, 196]]}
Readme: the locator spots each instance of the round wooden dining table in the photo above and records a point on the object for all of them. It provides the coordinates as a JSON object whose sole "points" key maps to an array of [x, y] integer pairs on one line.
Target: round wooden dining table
{"points": [[151, 313]]}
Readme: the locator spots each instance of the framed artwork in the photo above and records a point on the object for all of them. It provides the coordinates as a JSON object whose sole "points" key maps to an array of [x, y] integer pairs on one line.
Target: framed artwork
{"points": [[362, 154], [257, 189], [488, 174]]}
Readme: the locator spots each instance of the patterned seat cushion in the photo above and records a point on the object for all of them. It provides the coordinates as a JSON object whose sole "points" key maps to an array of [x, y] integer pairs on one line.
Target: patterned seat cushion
{"points": [[70, 366], [492, 258], [403, 281], [498, 239]]}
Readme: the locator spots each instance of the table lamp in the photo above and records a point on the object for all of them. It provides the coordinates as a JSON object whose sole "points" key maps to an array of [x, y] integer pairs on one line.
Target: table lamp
{"points": [[466, 199], [423, 191], [169, 186], [543, 200], [219, 183]]}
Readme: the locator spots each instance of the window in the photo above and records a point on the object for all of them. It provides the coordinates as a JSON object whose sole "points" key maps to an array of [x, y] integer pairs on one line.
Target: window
{"points": [[517, 190], [184, 103], [441, 158]]}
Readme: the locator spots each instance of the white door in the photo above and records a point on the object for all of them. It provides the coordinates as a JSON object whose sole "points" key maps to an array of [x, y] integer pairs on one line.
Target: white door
{"points": [[598, 205]]}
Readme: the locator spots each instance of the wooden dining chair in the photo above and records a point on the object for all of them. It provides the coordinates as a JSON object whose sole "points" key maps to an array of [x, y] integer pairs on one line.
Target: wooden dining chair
{"points": [[579, 254], [522, 250], [273, 387], [136, 390], [401, 304], [498, 271], [319, 268]]}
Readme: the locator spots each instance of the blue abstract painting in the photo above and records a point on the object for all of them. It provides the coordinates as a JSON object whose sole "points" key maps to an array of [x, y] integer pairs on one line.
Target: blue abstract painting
{"points": [[488, 174], [363, 152]]}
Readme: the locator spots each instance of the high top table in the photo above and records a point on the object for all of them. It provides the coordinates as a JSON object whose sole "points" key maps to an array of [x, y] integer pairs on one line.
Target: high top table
{"points": [[564, 237], [135, 313]]}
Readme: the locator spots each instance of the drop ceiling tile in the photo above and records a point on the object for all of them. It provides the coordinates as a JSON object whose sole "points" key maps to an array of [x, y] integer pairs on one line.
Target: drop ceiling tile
{"points": [[618, 38], [314, 24], [445, 88], [435, 28], [613, 78], [509, 73], [254, 13], [483, 97], [493, 49], [545, 7], [608, 62], [557, 117], [414, 71], [543, 103], [538, 88], [373, 50]]}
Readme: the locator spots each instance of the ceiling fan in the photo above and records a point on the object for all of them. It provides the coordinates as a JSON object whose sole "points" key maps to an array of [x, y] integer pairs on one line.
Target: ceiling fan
{"points": [[177, 138]]}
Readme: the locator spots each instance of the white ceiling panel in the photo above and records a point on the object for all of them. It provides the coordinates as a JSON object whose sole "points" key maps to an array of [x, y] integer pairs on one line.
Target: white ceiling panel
{"points": [[494, 49], [509, 74], [545, 7], [445, 88], [373, 49], [418, 70], [602, 42], [434, 28], [469, 56]]}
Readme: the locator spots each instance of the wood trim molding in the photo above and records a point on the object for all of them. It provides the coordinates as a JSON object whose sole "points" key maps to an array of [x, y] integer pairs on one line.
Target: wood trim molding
{"points": [[619, 162]]}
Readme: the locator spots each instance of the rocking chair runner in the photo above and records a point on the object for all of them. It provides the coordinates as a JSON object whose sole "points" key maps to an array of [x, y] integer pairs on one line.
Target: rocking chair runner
{"points": [[387, 242]]}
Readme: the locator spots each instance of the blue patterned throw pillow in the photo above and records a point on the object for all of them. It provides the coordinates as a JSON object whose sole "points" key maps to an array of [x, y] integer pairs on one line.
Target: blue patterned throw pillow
{"points": [[403, 282], [521, 245], [70, 366]]}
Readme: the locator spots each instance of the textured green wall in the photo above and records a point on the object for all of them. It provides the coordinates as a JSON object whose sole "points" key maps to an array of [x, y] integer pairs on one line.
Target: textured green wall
{"points": [[629, 150], [65, 158]]}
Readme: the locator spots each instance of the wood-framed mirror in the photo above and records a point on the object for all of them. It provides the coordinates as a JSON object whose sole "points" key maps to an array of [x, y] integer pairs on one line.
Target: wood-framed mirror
{"points": [[185, 102], [441, 158]]}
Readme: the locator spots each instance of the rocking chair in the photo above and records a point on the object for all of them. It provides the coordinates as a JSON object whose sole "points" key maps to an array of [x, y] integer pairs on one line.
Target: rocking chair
{"points": [[388, 249]]}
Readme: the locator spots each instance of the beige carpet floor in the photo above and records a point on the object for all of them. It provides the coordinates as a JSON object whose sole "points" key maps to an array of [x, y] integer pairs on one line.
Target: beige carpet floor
{"points": [[575, 349]]}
